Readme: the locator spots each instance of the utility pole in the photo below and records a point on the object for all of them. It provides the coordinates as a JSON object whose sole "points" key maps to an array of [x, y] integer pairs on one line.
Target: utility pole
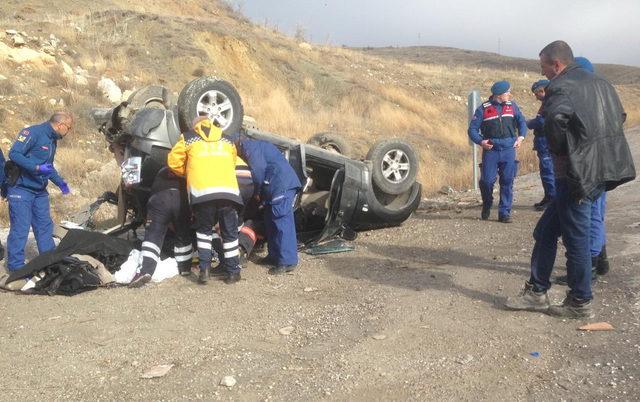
{"points": [[473, 102]]}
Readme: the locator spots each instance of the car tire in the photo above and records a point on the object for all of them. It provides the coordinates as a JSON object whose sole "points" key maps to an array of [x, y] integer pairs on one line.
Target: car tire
{"points": [[152, 96], [331, 142], [211, 97], [395, 165]]}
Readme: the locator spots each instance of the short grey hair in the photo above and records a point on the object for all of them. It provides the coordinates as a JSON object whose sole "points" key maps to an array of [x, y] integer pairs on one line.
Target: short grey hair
{"points": [[60, 117]]}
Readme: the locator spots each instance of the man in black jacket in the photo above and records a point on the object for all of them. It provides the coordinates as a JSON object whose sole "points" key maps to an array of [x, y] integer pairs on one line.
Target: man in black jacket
{"points": [[583, 125]]}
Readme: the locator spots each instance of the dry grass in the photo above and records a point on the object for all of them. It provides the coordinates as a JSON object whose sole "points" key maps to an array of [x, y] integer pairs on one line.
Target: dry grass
{"points": [[293, 92], [7, 88]]}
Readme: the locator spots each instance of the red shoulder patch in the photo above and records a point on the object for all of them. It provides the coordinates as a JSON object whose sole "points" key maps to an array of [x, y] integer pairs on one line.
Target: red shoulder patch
{"points": [[24, 132]]}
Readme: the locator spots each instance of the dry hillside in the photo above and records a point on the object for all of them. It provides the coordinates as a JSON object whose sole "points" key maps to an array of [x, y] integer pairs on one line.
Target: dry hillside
{"points": [[291, 88]]}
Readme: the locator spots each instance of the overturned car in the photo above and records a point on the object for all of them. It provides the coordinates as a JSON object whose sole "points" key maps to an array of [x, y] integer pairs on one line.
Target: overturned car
{"points": [[341, 195]]}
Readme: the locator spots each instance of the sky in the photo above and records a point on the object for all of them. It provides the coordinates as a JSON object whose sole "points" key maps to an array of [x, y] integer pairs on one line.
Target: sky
{"points": [[603, 31]]}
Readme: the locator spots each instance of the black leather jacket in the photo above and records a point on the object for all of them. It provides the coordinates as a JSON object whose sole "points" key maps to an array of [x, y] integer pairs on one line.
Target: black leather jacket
{"points": [[583, 124]]}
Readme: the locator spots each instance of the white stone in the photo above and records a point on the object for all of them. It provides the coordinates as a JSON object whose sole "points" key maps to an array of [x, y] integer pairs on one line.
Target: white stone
{"points": [[228, 381], [2, 77], [68, 71], [110, 89], [11, 32], [81, 80], [18, 40], [53, 102], [304, 46], [286, 330], [25, 55], [465, 359]]}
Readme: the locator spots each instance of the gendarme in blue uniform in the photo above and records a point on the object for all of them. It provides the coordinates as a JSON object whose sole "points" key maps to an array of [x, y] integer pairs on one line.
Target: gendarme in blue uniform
{"points": [[501, 123], [28, 198]]}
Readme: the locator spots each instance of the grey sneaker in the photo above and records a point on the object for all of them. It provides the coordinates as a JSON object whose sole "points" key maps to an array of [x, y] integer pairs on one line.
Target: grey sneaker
{"points": [[572, 308], [528, 300]]}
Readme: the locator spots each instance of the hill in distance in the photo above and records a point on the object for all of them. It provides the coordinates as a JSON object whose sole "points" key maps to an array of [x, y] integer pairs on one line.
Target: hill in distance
{"points": [[291, 88]]}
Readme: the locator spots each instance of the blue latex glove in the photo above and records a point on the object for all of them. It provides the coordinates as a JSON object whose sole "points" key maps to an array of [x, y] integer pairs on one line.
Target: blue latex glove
{"points": [[64, 187], [45, 169]]}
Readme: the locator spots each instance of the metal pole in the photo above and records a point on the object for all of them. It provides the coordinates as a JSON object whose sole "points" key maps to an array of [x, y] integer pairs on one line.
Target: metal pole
{"points": [[473, 101]]}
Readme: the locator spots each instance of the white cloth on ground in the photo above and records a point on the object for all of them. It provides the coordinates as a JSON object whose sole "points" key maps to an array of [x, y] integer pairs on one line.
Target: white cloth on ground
{"points": [[167, 268]]}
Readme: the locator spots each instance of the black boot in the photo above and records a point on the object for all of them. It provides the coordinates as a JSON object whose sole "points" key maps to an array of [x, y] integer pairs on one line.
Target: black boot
{"points": [[486, 211], [564, 279], [540, 206], [232, 278], [602, 267], [203, 277]]}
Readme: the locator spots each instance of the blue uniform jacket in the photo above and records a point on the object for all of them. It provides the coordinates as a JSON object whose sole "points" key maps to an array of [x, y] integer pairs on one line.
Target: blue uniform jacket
{"points": [[271, 173], [35, 145], [537, 123], [498, 143]]}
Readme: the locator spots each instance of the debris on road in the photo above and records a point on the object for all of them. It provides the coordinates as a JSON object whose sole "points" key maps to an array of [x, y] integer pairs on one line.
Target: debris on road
{"points": [[597, 326], [228, 381], [464, 360], [286, 330], [157, 371]]}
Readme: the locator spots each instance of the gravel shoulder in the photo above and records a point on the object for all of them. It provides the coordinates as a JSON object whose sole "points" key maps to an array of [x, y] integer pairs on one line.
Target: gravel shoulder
{"points": [[413, 313]]}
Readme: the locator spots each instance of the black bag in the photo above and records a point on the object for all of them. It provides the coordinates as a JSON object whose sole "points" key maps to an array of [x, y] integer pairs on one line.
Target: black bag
{"points": [[68, 277]]}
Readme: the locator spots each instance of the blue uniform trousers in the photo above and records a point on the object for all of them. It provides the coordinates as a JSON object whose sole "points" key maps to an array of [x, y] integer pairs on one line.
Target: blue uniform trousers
{"points": [[598, 233], [27, 209], [571, 220], [546, 166], [498, 162], [282, 244]]}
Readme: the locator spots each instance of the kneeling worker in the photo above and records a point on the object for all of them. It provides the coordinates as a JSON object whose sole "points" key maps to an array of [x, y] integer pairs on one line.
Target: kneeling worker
{"points": [[168, 205]]}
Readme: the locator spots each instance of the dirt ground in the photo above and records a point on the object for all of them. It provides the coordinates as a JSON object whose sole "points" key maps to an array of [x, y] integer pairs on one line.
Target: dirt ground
{"points": [[413, 314]]}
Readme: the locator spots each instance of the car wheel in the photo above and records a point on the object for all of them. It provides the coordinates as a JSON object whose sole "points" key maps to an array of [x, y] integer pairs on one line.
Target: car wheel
{"points": [[152, 96], [216, 99], [331, 142], [395, 165]]}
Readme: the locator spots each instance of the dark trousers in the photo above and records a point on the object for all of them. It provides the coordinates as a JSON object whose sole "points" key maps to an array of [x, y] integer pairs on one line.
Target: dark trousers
{"points": [[225, 214], [572, 220], [503, 163], [546, 166], [27, 210], [164, 208]]}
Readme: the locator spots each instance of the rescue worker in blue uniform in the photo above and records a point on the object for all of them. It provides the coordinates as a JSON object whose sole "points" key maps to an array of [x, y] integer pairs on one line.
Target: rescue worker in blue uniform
{"points": [[275, 186], [499, 128], [3, 187], [598, 232], [34, 152], [541, 146]]}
